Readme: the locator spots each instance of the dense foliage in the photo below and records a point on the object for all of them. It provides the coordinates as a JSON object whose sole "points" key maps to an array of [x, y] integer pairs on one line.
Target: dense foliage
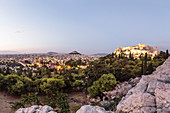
{"points": [[105, 83], [59, 100], [123, 68], [99, 76]]}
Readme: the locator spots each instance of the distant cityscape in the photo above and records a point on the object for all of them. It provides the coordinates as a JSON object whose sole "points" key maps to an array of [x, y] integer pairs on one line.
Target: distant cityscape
{"points": [[16, 61], [93, 76], [84, 56], [53, 60], [56, 61]]}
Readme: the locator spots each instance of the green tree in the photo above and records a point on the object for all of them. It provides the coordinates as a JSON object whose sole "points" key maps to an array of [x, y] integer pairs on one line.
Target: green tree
{"points": [[141, 68], [166, 54], [62, 102], [52, 85], [150, 68], [105, 83], [17, 88], [7, 71], [1, 81], [29, 99], [19, 72], [78, 83], [145, 63], [130, 56], [29, 73]]}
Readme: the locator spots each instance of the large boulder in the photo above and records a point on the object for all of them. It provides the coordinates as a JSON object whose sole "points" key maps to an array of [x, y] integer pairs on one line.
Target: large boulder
{"points": [[122, 89], [105, 103], [151, 94], [92, 109], [36, 109]]}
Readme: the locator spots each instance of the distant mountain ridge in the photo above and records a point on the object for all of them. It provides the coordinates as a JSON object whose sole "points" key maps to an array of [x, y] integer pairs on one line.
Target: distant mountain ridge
{"points": [[75, 53], [10, 52], [51, 53], [100, 54]]}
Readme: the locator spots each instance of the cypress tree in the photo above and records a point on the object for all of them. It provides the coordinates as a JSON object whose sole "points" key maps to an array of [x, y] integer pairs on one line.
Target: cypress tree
{"points": [[140, 57], [119, 56], [130, 55], [150, 68], [7, 71], [145, 64], [141, 68], [132, 58], [166, 54], [112, 55]]}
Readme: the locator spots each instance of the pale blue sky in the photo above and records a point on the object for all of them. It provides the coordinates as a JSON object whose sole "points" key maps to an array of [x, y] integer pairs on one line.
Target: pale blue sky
{"points": [[88, 26]]}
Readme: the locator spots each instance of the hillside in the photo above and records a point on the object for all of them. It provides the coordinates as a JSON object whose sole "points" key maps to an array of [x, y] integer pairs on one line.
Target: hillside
{"points": [[9, 52], [75, 53], [110, 73], [6, 102], [150, 95]]}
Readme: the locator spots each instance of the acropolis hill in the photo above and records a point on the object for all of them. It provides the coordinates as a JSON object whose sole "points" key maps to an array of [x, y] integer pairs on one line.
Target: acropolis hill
{"points": [[138, 50]]}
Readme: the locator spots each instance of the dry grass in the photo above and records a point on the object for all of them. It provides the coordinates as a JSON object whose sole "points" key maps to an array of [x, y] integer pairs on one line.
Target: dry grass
{"points": [[74, 106], [6, 101]]}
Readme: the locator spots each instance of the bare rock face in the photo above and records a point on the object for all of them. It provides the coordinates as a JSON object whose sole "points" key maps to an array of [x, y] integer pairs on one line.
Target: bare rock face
{"points": [[122, 89], [92, 109], [151, 94], [118, 91], [36, 109]]}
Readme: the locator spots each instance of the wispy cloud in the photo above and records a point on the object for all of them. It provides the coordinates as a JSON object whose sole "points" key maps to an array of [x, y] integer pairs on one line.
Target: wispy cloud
{"points": [[19, 31]]}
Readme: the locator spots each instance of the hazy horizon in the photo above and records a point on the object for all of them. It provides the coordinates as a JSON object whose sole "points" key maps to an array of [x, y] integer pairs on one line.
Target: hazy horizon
{"points": [[91, 26], [62, 52], [3, 52]]}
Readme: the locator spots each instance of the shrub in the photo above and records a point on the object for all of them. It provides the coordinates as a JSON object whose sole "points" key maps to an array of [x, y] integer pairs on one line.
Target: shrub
{"points": [[105, 83]]}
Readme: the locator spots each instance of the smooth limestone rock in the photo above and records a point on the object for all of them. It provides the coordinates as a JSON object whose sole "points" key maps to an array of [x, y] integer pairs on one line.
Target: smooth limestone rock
{"points": [[92, 109], [151, 94], [36, 109], [105, 103]]}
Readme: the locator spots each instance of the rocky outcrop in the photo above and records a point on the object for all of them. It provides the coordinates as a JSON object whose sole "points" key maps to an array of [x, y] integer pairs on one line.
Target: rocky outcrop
{"points": [[151, 94], [122, 89], [118, 91], [148, 94], [36, 109], [92, 109]]}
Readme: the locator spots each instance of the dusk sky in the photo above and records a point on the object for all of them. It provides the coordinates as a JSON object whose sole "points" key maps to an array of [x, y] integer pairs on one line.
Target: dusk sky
{"points": [[88, 26]]}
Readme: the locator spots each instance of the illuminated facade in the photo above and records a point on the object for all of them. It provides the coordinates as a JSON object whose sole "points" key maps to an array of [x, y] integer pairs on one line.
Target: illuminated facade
{"points": [[138, 50]]}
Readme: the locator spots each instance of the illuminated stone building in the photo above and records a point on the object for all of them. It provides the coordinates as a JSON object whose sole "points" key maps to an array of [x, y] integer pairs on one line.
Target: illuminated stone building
{"points": [[138, 50]]}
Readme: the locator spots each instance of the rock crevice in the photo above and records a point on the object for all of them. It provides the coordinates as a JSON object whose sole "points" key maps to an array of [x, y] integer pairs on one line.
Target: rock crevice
{"points": [[151, 94], [148, 94]]}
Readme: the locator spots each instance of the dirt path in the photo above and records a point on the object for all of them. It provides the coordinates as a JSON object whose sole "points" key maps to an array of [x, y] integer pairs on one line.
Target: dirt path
{"points": [[6, 101], [76, 100]]}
